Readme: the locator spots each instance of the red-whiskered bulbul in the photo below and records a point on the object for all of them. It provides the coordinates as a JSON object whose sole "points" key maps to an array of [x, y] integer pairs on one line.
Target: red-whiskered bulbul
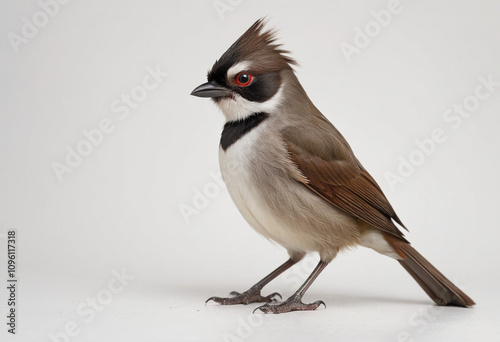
{"points": [[294, 177]]}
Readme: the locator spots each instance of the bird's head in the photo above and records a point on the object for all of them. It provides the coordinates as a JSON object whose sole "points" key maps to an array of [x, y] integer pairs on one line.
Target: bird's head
{"points": [[248, 77]]}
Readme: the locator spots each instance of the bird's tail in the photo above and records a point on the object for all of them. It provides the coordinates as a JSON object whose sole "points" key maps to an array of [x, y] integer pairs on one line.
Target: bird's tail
{"points": [[434, 283]]}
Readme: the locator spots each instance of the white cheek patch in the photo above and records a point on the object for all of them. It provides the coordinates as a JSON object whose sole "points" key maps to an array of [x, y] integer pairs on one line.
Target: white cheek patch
{"points": [[239, 108], [237, 68]]}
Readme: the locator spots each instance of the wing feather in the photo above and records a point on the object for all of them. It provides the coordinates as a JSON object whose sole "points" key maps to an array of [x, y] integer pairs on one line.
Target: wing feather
{"points": [[347, 186]]}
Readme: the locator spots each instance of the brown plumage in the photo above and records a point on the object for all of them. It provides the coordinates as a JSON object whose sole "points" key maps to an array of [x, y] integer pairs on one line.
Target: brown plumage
{"points": [[351, 189], [298, 181], [256, 44], [347, 186], [441, 290]]}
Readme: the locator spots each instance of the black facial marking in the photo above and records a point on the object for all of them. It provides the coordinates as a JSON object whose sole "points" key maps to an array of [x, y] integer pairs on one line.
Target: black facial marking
{"points": [[234, 130], [262, 88], [221, 66]]}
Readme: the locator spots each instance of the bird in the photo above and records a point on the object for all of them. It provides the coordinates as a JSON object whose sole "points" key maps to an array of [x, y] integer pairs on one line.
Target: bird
{"points": [[294, 177]]}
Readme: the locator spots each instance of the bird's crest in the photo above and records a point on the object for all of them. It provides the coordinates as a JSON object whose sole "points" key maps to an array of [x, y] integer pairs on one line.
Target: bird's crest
{"points": [[258, 45]]}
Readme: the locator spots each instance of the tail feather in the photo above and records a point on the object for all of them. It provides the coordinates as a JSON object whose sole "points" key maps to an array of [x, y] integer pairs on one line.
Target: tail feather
{"points": [[441, 290]]}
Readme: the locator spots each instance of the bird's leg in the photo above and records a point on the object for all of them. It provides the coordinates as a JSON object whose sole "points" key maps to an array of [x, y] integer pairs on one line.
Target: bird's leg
{"points": [[294, 303], [253, 294]]}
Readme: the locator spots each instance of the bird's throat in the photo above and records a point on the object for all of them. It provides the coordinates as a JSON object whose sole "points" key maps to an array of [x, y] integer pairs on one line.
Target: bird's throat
{"points": [[234, 130]]}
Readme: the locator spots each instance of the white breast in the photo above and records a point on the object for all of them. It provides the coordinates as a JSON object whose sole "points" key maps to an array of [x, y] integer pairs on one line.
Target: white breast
{"points": [[260, 180], [234, 165]]}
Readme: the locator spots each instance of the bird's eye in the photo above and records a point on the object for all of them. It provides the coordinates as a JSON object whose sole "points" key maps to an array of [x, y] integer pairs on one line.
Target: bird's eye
{"points": [[243, 79]]}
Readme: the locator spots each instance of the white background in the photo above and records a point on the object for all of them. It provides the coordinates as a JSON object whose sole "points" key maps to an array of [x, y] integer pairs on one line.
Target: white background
{"points": [[119, 209]]}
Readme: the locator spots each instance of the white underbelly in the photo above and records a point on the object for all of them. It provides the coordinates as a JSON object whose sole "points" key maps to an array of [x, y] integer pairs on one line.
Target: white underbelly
{"points": [[234, 165], [283, 211]]}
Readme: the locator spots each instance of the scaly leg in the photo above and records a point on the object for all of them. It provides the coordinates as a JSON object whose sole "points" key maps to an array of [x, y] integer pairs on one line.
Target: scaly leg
{"points": [[294, 303], [253, 294]]}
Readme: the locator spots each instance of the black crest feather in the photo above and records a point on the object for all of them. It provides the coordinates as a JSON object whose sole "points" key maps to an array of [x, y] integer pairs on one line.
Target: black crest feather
{"points": [[256, 44]]}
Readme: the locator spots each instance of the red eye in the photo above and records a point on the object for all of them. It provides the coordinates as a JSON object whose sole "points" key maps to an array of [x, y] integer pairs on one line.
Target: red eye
{"points": [[243, 79]]}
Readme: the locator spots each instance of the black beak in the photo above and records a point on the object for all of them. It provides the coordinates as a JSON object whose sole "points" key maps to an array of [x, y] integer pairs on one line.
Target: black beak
{"points": [[210, 89]]}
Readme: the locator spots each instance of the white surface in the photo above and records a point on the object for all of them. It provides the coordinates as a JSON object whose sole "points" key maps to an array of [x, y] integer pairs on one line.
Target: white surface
{"points": [[120, 207]]}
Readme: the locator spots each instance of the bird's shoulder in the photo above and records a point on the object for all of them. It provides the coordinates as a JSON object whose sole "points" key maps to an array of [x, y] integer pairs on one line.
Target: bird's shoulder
{"points": [[328, 167], [318, 137]]}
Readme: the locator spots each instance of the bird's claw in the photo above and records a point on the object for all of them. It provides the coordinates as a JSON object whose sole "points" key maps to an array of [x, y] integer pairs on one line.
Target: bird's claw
{"points": [[291, 304], [247, 297]]}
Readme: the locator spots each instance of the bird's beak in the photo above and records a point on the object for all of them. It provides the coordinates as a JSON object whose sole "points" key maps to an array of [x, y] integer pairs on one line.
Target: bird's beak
{"points": [[210, 89]]}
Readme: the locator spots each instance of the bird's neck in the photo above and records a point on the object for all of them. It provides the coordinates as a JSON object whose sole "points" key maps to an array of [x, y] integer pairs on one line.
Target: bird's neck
{"points": [[234, 130]]}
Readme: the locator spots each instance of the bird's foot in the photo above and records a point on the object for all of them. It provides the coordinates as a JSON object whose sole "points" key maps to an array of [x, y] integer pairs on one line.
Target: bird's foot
{"points": [[294, 303], [251, 296]]}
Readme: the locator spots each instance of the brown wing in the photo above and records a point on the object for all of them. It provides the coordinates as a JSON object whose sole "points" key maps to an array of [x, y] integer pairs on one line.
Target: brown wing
{"points": [[348, 187]]}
